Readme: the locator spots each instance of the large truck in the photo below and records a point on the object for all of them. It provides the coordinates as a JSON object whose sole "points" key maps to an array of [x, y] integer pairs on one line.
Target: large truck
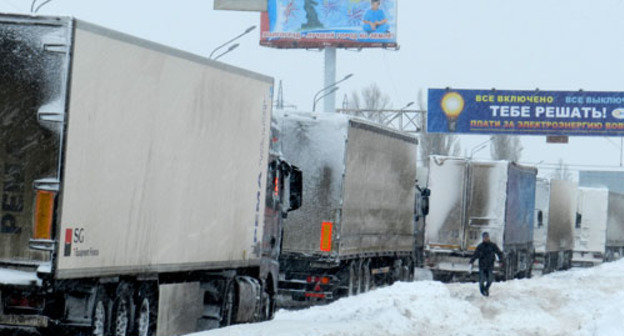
{"points": [[590, 231], [540, 222], [471, 197], [355, 229], [556, 216], [615, 227], [142, 193]]}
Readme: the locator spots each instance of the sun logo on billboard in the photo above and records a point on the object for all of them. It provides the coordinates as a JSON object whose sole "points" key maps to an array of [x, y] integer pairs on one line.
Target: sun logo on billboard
{"points": [[452, 104]]}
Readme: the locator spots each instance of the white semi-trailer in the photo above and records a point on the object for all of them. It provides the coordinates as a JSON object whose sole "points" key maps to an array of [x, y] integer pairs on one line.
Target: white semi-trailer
{"points": [[141, 191], [590, 231], [555, 218], [540, 221], [471, 197], [356, 227]]}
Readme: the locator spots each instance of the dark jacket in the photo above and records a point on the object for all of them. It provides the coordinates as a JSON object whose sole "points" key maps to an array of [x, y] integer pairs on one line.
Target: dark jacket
{"points": [[485, 253]]}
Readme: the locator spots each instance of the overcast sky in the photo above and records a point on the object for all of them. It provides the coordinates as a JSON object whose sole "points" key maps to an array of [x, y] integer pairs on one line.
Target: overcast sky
{"points": [[481, 44]]}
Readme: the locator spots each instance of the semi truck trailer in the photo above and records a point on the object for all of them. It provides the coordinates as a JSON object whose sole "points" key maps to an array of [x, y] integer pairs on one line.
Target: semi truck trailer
{"points": [[590, 231], [556, 234], [540, 222], [471, 197], [615, 227], [356, 228], [142, 190]]}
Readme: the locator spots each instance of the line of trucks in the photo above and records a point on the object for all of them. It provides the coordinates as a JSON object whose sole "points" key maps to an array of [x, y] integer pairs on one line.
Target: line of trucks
{"points": [[148, 191]]}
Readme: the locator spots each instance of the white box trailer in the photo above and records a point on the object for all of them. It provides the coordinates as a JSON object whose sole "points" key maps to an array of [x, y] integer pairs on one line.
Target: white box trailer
{"points": [[615, 227], [356, 227], [472, 197], [151, 179], [590, 231], [562, 217], [542, 205]]}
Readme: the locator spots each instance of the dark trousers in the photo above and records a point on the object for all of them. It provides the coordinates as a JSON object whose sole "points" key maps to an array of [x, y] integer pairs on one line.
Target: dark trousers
{"points": [[486, 277]]}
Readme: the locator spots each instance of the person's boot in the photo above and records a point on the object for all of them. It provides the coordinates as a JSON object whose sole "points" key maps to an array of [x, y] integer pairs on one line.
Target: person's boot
{"points": [[482, 290], [486, 291]]}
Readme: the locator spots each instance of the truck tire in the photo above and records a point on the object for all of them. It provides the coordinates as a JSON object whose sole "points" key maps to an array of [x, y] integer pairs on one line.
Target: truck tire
{"points": [[405, 270], [100, 318], [410, 270], [121, 321], [267, 305], [229, 304], [509, 268], [360, 275], [146, 311], [366, 278], [353, 280]]}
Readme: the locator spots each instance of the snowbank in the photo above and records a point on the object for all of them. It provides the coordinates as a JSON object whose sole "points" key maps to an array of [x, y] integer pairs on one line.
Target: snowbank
{"points": [[577, 302], [14, 277]]}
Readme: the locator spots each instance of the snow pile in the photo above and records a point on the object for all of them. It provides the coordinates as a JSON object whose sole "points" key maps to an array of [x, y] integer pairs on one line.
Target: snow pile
{"points": [[577, 302], [19, 278]]}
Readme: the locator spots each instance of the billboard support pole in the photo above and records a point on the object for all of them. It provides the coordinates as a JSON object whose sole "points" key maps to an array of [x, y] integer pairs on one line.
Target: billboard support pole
{"points": [[330, 79]]}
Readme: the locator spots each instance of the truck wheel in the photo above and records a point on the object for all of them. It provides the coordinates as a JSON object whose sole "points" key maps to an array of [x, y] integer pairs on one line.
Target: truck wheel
{"points": [[229, 303], [146, 311], [410, 271], [99, 316], [360, 275], [508, 268], [405, 270], [353, 281], [267, 305], [366, 277], [122, 311]]}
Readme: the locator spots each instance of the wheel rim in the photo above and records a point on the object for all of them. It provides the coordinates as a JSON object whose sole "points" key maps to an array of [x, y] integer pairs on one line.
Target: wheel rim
{"points": [[99, 319], [121, 319], [144, 318]]}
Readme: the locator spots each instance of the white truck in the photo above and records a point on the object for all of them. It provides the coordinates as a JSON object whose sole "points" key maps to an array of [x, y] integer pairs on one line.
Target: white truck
{"points": [[142, 191], [615, 227], [469, 198], [355, 229], [590, 231], [555, 218], [540, 221]]}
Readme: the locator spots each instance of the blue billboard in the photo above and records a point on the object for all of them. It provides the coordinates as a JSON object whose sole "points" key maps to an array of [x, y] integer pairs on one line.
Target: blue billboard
{"points": [[329, 23], [525, 112]]}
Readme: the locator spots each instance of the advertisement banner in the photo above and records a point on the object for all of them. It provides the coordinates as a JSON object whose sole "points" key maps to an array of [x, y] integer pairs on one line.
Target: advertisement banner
{"points": [[526, 112], [330, 23]]}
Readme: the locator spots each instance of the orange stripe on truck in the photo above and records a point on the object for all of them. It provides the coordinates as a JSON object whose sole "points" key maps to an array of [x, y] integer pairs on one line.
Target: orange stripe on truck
{"points": [[326, 236]]}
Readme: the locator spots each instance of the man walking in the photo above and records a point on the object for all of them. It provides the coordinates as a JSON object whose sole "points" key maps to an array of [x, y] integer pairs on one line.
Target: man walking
{"points": [[485, 253]]}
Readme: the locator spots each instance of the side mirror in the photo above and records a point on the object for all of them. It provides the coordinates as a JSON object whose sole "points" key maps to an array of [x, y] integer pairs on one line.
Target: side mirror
{"points": [[296, 189]]}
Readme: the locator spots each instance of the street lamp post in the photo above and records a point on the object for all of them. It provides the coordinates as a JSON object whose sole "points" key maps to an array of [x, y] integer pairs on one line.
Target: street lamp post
{"points": [[34, 9], [400, 116], [334, 89], [247, 31], [406, 106], [327, 88], [232, 47], [479, 147]]}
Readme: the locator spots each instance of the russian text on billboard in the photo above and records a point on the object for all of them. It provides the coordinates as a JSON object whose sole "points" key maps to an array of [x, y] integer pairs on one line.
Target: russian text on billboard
{"points": [[526, 112]]}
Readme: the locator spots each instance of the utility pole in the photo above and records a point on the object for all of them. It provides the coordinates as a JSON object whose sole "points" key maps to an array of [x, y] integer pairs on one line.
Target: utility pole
{"points": [[330, 79]]}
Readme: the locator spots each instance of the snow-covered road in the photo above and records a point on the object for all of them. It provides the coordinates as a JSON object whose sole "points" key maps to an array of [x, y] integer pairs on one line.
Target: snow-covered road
{"points": [[577, 302]]}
